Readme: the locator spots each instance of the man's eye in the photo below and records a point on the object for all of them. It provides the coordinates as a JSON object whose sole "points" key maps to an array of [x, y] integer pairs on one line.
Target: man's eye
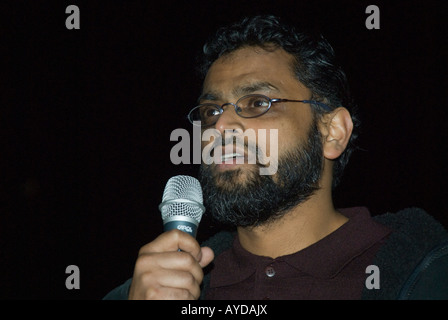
{"points": [[259, 103], [213, 112], [209, 111]]}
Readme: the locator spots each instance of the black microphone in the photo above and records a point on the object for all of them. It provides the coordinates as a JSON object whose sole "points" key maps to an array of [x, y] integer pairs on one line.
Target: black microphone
{"points": [[181, 205]]}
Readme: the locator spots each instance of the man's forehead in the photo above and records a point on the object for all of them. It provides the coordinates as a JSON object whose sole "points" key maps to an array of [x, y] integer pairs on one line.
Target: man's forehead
{"points": [[247, 70]]}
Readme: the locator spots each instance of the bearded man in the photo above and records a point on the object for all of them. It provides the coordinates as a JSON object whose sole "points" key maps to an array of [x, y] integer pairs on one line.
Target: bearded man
{"points": [[288, 241]]}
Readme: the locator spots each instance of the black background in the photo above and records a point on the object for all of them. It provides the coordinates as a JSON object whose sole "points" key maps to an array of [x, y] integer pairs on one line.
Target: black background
{"points": [[86, 117]]}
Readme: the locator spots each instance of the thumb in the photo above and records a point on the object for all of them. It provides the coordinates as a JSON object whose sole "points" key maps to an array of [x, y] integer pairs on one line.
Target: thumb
{"points": [[207, 256]]}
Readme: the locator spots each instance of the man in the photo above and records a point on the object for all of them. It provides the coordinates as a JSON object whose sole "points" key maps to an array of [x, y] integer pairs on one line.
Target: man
{"points": [[289, 241]]}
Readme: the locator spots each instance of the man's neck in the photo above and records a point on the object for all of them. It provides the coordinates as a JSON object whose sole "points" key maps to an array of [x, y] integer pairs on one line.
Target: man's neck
{"points": [[299, 228]]}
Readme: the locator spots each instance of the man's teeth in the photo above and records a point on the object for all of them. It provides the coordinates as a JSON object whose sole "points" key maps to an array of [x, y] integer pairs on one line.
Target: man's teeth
{"points": [[230, 155]]}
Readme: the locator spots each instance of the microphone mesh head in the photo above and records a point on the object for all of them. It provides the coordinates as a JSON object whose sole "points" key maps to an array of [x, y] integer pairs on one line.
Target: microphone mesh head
{"points": [[186, 192]]}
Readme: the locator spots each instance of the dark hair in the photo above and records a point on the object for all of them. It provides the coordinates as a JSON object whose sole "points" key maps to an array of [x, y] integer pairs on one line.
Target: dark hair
{"points": [[315, 65]]}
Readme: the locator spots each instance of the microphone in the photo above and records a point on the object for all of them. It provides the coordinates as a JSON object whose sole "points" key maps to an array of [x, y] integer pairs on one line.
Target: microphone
{"points": [[181, 206]]}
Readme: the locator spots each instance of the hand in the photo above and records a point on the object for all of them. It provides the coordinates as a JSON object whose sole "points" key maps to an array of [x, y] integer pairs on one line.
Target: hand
{"points": [[163, 272]]}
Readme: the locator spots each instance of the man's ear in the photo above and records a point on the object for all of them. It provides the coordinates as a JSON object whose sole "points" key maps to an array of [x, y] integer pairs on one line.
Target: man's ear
{"points": [[337, 128]]}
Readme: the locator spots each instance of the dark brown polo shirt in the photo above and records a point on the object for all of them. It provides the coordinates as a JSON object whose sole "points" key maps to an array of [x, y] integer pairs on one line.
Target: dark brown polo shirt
{"points": [[332, 268]]}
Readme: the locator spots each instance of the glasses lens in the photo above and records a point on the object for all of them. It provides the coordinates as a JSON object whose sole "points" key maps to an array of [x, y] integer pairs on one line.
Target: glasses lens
{"points": [[206, 113], [253, 105]]}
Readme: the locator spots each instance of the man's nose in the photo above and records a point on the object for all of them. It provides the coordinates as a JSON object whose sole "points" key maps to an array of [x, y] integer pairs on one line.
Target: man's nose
{"points": [[229, 120]]}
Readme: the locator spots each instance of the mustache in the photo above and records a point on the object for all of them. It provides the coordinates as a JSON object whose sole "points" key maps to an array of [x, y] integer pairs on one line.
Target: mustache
{"points": [[239, 143]]}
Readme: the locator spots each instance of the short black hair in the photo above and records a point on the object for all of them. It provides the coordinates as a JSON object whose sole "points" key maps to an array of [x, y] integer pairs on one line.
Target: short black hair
{"points": [[315, 65]]}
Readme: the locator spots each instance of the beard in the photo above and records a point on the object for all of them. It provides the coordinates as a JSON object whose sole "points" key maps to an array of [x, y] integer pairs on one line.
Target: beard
{"points": [[245, 198]]}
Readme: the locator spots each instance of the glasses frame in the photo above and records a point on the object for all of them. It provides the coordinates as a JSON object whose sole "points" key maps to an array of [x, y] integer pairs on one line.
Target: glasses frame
{"points": [[220, 108]]}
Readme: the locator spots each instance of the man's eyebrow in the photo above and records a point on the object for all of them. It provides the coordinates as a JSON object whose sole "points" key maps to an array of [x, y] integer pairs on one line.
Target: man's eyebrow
{"points": [[254, 87], [240, 91], [212, 96]]}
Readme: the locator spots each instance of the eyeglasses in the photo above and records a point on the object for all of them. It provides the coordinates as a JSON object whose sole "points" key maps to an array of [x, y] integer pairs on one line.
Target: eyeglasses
{"points": [[250, 106]]}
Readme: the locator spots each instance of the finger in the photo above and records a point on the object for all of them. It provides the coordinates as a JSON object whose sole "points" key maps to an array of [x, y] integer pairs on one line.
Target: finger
{"points": [[207, 256], [164, 293], [157, 285], [177, 260], [181, 280], [173, 241]]}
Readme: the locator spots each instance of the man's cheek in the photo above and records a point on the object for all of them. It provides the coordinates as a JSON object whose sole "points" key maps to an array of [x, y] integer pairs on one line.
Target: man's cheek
{"points": [[267, 155], [211, 144]]}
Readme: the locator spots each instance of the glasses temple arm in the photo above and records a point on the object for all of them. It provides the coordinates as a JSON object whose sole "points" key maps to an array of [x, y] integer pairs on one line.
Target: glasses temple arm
{"points": [[320, 104]]}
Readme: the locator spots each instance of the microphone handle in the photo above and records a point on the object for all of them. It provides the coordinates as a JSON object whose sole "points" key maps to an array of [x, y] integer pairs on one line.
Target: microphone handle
{"points": [[182, 223]]}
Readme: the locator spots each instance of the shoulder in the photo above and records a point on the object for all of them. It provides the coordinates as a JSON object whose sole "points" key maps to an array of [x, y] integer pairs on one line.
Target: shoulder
{"points": [[119, 293], [429, 280], [411, 256]]}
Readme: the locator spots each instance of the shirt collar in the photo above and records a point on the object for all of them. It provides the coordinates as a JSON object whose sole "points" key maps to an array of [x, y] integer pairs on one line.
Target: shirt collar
{"points": [[323, 259]]}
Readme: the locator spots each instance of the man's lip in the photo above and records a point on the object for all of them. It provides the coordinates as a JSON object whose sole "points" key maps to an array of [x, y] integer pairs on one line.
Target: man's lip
{"points": [[234, 149]]}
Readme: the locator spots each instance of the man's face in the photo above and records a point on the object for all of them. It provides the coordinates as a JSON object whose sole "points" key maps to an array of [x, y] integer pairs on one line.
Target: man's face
{"points": [[252, 70]]}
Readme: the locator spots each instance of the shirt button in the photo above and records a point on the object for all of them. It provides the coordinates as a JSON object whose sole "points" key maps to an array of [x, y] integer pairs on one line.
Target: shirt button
{"points": [[270, 271]]}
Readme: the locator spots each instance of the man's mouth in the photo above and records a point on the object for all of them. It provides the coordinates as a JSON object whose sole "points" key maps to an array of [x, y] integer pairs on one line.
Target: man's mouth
{"points": [[230, 156]]}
